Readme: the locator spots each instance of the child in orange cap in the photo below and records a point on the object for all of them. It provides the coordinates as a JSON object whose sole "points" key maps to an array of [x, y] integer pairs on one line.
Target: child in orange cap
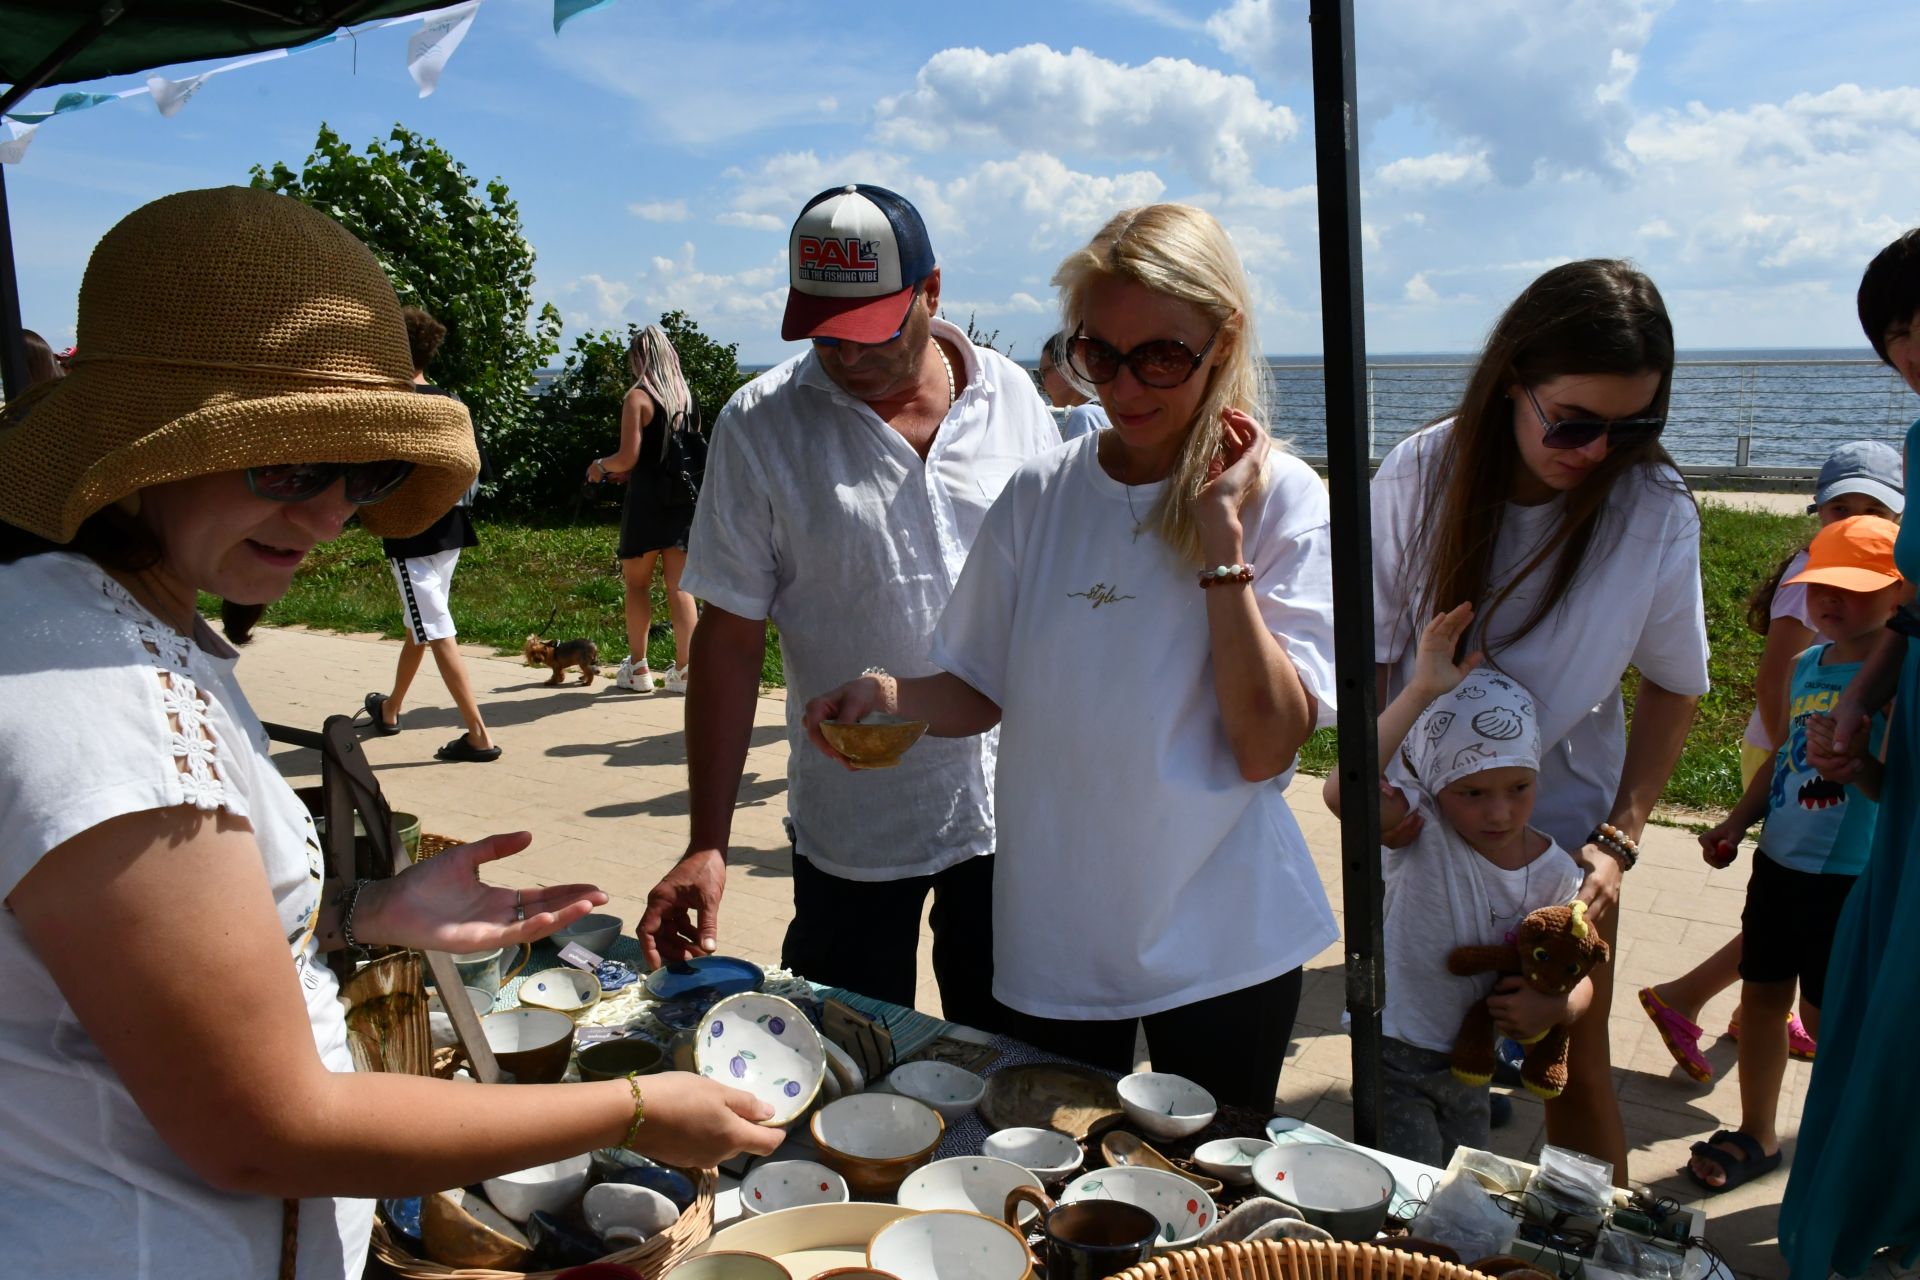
{"points": [[1814, 842]]}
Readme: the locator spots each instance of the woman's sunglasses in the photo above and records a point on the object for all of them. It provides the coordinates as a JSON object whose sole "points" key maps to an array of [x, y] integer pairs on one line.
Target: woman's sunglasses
{"points": [[1578, 433], [1162, 363], [367, 482]]}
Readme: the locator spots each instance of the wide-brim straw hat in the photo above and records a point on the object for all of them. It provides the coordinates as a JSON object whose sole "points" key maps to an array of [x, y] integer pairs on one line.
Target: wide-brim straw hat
{"points": [[226, 329]]}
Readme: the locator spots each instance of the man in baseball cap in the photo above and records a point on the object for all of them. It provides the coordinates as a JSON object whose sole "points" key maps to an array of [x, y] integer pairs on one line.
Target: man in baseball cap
{"points": [[843, 490]]}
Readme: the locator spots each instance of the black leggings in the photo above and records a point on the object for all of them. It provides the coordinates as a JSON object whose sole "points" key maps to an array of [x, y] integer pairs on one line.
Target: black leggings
{"points": [[1231, 1045]]}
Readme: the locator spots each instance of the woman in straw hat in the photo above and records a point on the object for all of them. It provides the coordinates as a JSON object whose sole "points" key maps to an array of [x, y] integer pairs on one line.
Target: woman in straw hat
{"points": [[172, 1055]]}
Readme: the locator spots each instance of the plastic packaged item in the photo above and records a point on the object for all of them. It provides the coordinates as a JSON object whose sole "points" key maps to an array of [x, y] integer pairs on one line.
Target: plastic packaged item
{"points": [[1463, 1216], [1621, 1252], [1570, 1189]]}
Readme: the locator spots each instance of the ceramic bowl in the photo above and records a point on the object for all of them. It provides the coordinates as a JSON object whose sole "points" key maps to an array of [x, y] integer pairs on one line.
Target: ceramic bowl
{"points": [[950, 1090], [613, 1059], [948, 1245], [1164, 1105], [1047, 1154], [568, 990], [558, 1243], [551, 1187], [1183, 1210], [977, 1184], [534, 1044], [459, 1229], [480, 998], [623, 1214], [1337, 1188], [1231, 1159], [773, 1185], [728, 1264], [766, 1046], [877, 743], [671, 1183], [597, 933], [874, 1140]]}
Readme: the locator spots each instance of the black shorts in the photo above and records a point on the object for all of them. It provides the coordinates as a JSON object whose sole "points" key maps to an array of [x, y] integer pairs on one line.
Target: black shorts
{"points": [[1788, 923]]}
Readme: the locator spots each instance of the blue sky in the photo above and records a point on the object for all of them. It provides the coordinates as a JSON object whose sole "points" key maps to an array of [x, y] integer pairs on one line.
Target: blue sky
{"points": [[1750, 154]]}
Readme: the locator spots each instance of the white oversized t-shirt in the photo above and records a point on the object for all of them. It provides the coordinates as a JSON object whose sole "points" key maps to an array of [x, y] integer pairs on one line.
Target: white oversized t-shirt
{"points": [[817, 514], [1635, 602], [100, 705], [1137, 870]]}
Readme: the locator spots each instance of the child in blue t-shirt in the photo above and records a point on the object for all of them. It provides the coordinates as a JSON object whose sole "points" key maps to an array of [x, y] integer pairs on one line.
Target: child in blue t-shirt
{"points": [[1814, 843]]}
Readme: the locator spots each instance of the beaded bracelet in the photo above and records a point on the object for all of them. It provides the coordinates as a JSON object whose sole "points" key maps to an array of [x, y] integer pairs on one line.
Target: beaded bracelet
{"points": [[639, 1111], [1616, 842], [1237, 573], [350, 897]]}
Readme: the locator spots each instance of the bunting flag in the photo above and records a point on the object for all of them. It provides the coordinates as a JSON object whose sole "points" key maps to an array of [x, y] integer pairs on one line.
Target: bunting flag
{"points": [[565, 11], [441, 31]]}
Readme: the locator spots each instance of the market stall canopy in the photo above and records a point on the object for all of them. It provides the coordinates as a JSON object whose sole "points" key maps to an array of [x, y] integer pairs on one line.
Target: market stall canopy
{"points": [[121, 37]]}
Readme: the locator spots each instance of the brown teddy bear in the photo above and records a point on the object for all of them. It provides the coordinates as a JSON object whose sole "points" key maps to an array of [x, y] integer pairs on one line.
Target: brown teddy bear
{"points": [[1554, 948]]}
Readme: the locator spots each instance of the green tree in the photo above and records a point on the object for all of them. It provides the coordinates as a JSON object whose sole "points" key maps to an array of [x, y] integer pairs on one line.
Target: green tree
{"points": [[450, 247], [540, 463]]}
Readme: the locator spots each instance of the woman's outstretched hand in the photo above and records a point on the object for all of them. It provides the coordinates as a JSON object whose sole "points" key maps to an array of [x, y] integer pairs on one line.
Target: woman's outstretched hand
{"points": [[696, 1123], [1236, 469], [443, 905]]}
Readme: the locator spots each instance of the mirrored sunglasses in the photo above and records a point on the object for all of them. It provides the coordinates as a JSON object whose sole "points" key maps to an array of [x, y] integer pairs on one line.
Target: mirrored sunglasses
{"points": [[1162, 363], [1577, 433], [367, 482]]}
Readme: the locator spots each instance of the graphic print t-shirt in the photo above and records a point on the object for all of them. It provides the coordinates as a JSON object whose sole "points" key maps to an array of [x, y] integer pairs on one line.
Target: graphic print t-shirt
{"points": [[1813, 824]]}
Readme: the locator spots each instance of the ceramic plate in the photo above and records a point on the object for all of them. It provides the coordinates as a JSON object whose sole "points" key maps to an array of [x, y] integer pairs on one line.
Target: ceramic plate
{"points": [[1049, 1095], [1183, 1210], [765, 1045], [707, 978], [810, 1238]]}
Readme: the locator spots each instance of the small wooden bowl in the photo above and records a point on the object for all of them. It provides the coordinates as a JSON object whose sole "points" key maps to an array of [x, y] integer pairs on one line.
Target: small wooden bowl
{"points": [[876, 744]]}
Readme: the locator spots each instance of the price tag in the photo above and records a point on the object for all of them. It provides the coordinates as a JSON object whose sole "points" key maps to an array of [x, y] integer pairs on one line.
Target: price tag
{"points": [[579, 957]]}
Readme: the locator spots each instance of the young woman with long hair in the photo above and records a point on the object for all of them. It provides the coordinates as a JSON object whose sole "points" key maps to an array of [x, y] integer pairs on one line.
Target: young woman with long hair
{"points": [[657, 516], [1147, 617], [1547, 501]]}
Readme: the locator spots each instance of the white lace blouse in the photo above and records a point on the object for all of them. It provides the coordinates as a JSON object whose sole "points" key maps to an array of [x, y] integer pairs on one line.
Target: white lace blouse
{"points": [[106, 711]]}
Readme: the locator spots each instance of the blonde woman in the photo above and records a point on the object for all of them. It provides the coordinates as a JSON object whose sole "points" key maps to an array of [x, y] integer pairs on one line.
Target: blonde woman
{"points": [[1147, 615], [658, 513]]}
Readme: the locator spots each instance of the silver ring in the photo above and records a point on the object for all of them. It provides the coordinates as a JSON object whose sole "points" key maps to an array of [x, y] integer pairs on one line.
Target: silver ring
{"points": [[519, 908]]}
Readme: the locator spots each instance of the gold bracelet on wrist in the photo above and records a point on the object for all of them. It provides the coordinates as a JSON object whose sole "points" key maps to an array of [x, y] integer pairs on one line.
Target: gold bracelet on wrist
{"points": [[639, 1111]]}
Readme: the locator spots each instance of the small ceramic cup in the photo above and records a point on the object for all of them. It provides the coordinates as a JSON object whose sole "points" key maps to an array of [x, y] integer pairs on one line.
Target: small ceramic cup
{"points": [[1089, 1239], [533, 1044], [489, 970], [613, 1059]]}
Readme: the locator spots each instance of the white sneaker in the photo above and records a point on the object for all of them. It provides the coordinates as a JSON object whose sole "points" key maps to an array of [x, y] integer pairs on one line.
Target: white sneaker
{"points": [[676, 680], [638, 679]]}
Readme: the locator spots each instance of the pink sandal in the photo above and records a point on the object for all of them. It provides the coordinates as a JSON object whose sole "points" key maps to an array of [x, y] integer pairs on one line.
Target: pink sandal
{"points": [[1800, 1041], [1681, 1036]]}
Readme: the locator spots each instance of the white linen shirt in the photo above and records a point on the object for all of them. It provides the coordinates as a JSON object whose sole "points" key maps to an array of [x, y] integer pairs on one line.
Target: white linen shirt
{"points": [[1636, 601], [816, 513], [1138, 871]]}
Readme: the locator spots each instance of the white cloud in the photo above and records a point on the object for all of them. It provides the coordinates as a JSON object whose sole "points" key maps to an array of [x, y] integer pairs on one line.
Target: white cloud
{"points": [[1215, 126], [1418, 290], [752, 221], [660, 211], [1248, 31], [1442, 169], [1038, 194], [756, 294], [594, 302], [1658, 229]]}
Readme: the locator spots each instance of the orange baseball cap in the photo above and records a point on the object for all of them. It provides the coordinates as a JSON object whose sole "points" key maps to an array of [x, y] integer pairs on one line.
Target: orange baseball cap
{"points": [[1855, 554]]}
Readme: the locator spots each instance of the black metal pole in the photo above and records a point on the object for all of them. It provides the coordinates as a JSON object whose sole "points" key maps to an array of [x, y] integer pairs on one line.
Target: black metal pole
{"points": [[13, 344], [1343, 334]]}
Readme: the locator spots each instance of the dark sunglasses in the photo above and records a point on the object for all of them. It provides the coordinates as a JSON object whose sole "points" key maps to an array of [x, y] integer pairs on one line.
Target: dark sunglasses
{"points": [[834, 342], [1162, 363], [1577, 433], [367, 482]]}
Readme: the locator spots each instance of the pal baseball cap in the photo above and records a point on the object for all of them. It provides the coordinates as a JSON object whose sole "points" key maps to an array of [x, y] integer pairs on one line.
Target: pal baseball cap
{"points": [[1855, 554], [1863, 466], [853, 260]]}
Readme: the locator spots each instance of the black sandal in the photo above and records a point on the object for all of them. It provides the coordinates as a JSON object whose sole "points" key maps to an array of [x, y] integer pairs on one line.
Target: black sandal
{"points": [[464, 752], [375, 705], [1751, 1163]]}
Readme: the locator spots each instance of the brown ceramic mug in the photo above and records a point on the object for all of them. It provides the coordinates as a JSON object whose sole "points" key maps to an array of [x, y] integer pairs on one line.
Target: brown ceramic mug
{"points": [[1087, 1239]]}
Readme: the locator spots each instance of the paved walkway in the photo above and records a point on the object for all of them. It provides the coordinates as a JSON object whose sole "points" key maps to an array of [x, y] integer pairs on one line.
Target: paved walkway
{"points": [[599, 777]]}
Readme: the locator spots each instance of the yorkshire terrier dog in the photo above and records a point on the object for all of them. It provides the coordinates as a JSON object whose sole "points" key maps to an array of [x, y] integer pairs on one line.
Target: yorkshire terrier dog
{"points": [[584, 654]]}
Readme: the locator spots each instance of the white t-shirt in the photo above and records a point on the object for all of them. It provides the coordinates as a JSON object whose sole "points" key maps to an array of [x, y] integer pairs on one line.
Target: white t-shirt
{"points": [[1635, 602], [1440, 894], [817, 514], [1138, 870], [1083, 419], [99, 704], [1789, 601]]}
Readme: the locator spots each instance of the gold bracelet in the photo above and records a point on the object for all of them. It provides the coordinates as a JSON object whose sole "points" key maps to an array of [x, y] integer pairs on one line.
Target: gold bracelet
{"points": [[639, 1111]]}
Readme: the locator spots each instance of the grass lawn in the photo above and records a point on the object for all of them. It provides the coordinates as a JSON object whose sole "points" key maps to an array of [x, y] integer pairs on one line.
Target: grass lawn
{"points": [[518, 574]]}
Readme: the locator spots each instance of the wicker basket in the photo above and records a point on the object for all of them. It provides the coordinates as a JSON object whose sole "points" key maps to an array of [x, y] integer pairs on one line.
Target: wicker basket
{"points": [[649, 1259], [1297, 1260]]}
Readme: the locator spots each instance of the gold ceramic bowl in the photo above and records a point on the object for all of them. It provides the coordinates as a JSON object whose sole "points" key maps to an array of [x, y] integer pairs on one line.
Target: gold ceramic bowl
{"points": [[459, 1229], [875, 744], [874, 1140]]}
